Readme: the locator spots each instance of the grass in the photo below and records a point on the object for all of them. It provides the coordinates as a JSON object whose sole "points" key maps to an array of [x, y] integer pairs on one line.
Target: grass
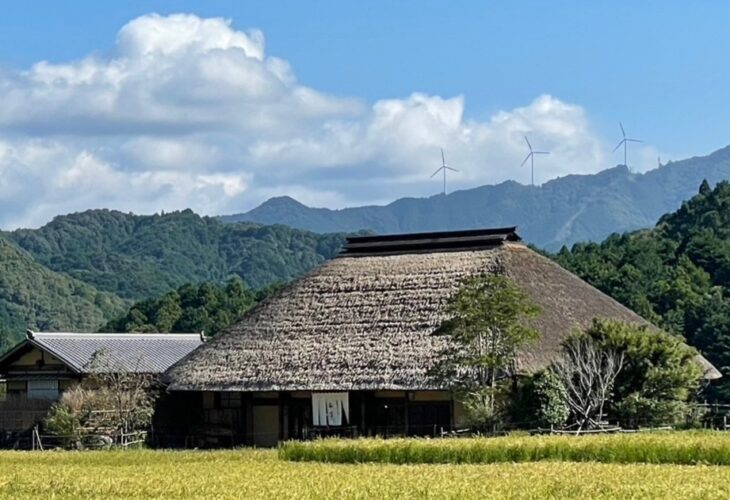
{"points": [[260, 474], [680, 448]]}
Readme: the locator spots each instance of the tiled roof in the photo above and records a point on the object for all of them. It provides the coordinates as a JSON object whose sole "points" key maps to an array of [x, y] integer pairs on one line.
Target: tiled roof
{"points": [[129, 352]]}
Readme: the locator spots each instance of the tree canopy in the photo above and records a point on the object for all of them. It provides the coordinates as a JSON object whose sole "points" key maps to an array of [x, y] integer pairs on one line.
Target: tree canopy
{"points": [[206, 307], [487, 326], [676, 275]]}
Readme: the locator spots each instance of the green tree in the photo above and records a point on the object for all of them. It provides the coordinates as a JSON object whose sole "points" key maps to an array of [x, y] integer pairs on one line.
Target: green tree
{"points": [[660, 374], [676, 275], [207, 307], [487, 327]]}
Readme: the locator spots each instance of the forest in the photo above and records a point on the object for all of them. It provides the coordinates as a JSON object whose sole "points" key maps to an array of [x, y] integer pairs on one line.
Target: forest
{"points": [[676, 274]]}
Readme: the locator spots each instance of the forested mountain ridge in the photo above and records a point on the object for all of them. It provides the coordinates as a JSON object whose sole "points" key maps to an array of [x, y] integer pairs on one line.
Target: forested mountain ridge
{"points": [[83, 270], [562, 211], [33, 296], [676, 274], [137, 257]]}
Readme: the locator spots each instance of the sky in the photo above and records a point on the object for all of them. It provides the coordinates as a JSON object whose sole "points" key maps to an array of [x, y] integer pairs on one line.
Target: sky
{"points": [[147, 106]]}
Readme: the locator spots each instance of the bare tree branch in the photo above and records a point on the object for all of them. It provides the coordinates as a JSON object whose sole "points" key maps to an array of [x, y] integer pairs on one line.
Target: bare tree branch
{"points": [[588, 374]]}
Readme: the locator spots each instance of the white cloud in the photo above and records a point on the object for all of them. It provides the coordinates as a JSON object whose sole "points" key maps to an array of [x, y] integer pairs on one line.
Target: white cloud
{"points": [[191, 112], [403, 136], [40, 179]]}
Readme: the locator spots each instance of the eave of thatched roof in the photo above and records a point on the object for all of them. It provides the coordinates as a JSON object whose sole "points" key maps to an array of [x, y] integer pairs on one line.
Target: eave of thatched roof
{"points": [[365, 322]]}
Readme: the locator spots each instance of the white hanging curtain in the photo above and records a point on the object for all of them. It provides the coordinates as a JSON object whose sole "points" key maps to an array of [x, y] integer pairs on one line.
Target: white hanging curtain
{"points": [[315, 409], [329, 407]]}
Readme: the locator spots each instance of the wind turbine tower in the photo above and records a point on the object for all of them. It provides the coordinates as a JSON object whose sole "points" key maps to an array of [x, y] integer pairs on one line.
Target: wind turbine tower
{"points": [[444, 167], [624, 142], [531, 156]]}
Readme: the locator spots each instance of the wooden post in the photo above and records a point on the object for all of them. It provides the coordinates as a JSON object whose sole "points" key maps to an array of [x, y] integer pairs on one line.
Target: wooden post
{"points": [[363, 422], [405, 419], [281, 415], [452, 414]]}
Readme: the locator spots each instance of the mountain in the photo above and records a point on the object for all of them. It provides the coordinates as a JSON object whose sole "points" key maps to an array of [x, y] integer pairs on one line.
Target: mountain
{"points": [[563, 211], [33, 296], [676, 274], [137, 257]]}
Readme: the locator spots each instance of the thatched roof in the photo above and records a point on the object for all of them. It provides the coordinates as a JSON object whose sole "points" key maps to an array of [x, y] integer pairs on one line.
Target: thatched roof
{"points": [[364, 320]]}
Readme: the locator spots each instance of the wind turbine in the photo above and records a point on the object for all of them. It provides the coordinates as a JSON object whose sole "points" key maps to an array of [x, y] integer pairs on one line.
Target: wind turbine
{"points": [[531, 156], [624, 141], [443, 167]]}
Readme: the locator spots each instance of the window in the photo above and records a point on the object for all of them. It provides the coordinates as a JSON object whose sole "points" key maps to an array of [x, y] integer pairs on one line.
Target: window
{"points": [[228, 400], [43, 389]]}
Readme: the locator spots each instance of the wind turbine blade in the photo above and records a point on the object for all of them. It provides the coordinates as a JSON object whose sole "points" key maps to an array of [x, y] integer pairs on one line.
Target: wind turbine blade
{"points": [[528, 143], [634, 140], [525, 160], [541, 152], [619, 145], [623, 132], [443, 158], [449, 168], [436, 172]]}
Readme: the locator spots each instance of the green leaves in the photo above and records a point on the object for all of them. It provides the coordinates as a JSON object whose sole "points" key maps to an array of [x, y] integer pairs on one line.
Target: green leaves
{"points": [[487, 325], [660, 373], [137, 257], [188, 309], [676, 275]]}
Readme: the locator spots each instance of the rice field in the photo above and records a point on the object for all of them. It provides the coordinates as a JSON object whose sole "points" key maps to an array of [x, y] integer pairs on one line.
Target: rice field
{"points": [[249, 473], [260, 474], [679, 448]]}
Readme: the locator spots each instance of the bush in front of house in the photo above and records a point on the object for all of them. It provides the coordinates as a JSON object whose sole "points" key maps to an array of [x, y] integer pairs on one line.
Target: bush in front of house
{"points": [[110, 405], [659, 379]]}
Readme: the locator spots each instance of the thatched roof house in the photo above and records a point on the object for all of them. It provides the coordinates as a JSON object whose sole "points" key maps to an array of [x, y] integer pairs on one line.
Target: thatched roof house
{"points": [[363, 321], [360, 327]]}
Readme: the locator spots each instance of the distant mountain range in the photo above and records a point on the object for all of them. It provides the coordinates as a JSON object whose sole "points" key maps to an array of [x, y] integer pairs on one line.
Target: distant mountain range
{"points": [[560, 212]]}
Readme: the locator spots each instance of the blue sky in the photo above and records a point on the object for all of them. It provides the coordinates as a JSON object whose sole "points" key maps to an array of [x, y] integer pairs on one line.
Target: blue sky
{"points": [[487, 73]]}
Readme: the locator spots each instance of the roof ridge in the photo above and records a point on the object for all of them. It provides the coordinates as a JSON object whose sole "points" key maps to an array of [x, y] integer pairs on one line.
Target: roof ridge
{"points": [[468, 239], [115, 335]]}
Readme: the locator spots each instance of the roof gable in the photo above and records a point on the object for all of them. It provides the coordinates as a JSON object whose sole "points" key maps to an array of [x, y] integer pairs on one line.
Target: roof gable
{"points": [[133, 353]]}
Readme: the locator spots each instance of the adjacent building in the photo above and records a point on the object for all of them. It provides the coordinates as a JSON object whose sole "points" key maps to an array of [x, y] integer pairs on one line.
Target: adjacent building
{"points": [[37, 370]]}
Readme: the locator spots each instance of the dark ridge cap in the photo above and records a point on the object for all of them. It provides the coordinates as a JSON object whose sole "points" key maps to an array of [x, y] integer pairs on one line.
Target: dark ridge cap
{"points": [[391, 244]]}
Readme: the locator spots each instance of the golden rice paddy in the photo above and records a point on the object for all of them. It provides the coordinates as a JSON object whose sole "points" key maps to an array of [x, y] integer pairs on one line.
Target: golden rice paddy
{"points": [[261, 474], [677, 448]]}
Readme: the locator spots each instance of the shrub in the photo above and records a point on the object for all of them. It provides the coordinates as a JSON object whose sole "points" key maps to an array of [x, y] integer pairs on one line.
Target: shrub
{"points": [[659, 377], [65, 424], [483, 410], [550, 398]]}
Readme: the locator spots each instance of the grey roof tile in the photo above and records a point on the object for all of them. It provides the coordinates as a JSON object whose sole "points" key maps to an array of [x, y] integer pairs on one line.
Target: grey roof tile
{"points": [[130, 352]]}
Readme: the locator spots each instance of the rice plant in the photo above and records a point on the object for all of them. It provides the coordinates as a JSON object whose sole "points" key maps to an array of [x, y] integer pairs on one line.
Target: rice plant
{"points": [[681, 448], [260, 474]]}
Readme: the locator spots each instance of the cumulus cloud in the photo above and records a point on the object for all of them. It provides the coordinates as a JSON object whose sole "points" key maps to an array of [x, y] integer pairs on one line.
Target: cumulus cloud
{"points": [[43, 178], [191, 112]]}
